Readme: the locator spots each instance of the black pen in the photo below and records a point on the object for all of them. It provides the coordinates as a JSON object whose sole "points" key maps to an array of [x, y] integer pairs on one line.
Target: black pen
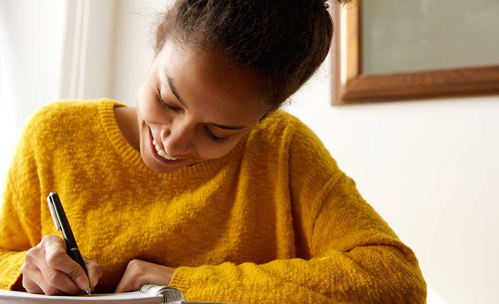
{"points": [[61, 223]]}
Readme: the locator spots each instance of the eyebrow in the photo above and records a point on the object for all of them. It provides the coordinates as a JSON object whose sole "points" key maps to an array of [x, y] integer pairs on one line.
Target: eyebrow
{"points": [[171, 84]]}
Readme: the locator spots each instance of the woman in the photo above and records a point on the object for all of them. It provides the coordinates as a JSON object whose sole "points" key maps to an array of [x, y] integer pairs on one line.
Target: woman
{"points": [[204, 186]]}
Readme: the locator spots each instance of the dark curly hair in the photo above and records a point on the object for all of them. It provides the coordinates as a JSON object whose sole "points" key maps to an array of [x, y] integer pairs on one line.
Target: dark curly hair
{"points": [[282, 41]]}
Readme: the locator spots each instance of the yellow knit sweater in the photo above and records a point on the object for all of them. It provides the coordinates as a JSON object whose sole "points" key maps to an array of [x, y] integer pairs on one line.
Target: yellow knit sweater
{"points": [[274, 221]]}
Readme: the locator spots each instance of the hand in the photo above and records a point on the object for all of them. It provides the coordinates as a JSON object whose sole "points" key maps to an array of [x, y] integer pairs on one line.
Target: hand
{"points": [[48, 269], [140, 272]]}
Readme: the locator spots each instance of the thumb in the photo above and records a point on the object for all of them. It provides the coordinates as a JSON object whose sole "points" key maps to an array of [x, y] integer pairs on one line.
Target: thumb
{"points": [[78, 275]]}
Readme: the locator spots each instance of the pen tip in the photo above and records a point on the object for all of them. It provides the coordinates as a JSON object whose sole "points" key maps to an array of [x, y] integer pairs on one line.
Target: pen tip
{"points": [[87, 290]]}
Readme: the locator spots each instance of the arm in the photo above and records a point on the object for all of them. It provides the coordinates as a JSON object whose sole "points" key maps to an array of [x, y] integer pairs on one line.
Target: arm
{"points": [[28, 262], [19, 212], [355, 259], [347, 252]]}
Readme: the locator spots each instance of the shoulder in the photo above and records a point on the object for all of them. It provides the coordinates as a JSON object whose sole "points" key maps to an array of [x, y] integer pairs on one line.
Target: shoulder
{"points": [[56, 122], [65, 111], [66, 114], [287, 137], [279, 126], [284, 129]]}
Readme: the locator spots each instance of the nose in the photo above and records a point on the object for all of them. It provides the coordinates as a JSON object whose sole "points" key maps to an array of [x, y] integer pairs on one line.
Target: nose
{"points": [[177, 139]]}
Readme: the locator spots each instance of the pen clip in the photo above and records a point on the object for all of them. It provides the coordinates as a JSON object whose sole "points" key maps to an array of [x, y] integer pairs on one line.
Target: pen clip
{"points": [[53, 212]]}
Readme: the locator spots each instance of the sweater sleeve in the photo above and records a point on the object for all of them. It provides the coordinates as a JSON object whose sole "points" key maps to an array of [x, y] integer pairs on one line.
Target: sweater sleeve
{"points": [[19, 210], [346, 253]]}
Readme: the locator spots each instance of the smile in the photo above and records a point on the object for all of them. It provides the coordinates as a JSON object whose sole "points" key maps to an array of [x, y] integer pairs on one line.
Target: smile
{"points": [[161, 152]]}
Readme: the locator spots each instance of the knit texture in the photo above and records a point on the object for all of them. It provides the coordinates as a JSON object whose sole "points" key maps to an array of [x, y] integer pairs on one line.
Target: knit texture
{"points": [[273, 221]]}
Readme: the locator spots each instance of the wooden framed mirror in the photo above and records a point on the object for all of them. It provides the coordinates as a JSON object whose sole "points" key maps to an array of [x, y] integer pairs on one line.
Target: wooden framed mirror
{"points": [[387, 50]]}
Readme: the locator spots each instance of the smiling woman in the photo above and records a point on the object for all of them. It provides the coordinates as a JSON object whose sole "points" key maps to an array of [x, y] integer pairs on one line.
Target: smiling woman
{"points": [[204, 185], [193, 106]]}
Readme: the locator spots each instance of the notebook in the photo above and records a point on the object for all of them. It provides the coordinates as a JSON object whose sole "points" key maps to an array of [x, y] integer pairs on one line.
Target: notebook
{"points": [[147, 294]]}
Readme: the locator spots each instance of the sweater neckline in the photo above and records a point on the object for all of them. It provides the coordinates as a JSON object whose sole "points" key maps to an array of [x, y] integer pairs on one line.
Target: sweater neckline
{"points": [[133, 158]]}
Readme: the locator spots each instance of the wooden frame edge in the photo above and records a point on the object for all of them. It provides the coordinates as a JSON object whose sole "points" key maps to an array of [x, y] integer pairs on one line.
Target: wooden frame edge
{"points": [[350, 86]]}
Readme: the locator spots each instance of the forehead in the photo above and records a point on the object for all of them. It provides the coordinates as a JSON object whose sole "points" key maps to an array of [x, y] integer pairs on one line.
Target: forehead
{"points": [[210, 86]]}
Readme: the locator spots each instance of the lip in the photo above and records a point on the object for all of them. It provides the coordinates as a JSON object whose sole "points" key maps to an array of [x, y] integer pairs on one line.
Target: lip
{"points": [[158, 157]]}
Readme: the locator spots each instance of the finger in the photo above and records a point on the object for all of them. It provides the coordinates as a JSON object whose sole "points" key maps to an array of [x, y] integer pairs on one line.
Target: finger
{"points": [[35, 269], [59, 280], [31, 287], [123, 284], [94, 272], [27, 270], [28, 284], [37, 284], [128, 282], [57, 259]]}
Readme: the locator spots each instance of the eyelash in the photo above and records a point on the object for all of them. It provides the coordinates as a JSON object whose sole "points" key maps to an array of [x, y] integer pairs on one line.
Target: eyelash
{"points": [[164, 104], [216, 138], [210, 134]]}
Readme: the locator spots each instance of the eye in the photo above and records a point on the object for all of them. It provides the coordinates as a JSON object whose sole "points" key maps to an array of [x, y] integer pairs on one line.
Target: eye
{"points": [[164, 104], [216, 138]]}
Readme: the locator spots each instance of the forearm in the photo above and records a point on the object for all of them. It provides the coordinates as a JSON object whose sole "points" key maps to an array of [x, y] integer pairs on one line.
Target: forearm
{"points": [[368, 274]]}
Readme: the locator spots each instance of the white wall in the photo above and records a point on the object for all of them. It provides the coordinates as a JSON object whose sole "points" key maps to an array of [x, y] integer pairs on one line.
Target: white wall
{"points": [[134, 39], [50, 50], [31, 46], [88, 49]]}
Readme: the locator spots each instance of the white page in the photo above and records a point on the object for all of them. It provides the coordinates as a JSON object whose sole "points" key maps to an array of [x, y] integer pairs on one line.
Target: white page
{"points": [[8, 297]]}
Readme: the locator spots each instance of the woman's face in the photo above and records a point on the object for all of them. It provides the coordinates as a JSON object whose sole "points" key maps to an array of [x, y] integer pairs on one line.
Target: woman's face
{"points": [[194, 106]]}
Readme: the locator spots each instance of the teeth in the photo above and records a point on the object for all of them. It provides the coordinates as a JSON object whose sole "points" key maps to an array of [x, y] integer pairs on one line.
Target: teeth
{"points": [[161, 152]]}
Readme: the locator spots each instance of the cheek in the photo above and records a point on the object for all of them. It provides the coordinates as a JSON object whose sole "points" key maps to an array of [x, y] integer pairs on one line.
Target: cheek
{"points": [[148, 108], [212, 150]]}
